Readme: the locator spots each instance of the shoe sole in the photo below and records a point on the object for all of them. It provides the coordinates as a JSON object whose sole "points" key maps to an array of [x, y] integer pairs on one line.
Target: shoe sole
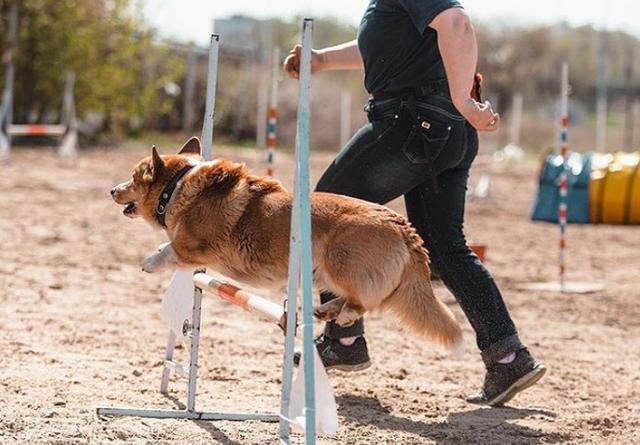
{"points": [[520, 385], [350, 368]]}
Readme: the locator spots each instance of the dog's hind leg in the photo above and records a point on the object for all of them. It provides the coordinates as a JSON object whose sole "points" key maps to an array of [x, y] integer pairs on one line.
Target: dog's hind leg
{"points": [[349, 313], [329, 311]]}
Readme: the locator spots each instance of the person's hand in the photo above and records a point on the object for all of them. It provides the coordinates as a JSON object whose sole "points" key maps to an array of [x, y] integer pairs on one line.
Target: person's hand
{"points": [[292, 62], [480, 115]]}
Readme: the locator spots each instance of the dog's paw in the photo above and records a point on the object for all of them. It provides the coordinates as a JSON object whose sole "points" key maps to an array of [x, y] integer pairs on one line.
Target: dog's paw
{"points": [[345, 323], [323, 315], [349, 315]]}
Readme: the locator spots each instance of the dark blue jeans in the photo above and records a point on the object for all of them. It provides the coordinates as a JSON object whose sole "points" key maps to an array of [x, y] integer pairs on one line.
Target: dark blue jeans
{"points": [[423, 149]]}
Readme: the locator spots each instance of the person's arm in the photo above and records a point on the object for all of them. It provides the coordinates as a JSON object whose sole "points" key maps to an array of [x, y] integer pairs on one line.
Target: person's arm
{"points": [[459, 51], [340, 57]]}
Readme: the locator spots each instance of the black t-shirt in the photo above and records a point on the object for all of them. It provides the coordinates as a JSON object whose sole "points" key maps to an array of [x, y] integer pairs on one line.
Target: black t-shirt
{"points": [[398, 48]]}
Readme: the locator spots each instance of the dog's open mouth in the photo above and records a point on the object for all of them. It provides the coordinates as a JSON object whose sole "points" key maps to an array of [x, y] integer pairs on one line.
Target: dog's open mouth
{"points": [[130, 209]]}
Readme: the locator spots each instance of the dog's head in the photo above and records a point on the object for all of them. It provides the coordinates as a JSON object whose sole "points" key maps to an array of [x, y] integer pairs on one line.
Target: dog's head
{"points": [[140, 194]]}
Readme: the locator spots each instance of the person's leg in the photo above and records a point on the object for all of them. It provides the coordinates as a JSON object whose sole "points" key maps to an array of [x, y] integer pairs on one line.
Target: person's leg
{"points": [[439, 219]]}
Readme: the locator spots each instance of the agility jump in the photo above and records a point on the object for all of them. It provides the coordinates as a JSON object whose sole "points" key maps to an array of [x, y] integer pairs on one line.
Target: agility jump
{"points": [[294, 409], [67, 130]]}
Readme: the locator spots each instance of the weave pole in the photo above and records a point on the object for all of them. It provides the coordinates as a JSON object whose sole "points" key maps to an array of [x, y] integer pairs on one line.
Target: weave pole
{"points": [[300, 266], [563, 206], [272, 126], [562, 285]]}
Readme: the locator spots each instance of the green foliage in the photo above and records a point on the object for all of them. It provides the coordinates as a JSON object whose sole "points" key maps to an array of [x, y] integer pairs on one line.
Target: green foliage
{"points": [[120, 70], [528, 60]]}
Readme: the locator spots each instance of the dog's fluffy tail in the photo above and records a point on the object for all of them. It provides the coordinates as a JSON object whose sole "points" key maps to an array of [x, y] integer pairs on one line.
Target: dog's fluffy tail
{"points": [[417, 307]]}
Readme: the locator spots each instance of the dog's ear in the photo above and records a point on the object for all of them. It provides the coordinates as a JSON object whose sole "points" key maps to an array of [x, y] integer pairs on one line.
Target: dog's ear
{"points": [[157, 165], [192, 146]]}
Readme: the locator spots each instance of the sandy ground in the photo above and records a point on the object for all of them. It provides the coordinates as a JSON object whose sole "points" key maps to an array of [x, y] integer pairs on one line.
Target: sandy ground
{"points": [[80, 327]]}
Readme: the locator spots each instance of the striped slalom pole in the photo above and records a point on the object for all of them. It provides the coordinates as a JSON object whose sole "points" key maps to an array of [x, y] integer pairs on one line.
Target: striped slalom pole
{"points": [[272, 125], [563, 186]]}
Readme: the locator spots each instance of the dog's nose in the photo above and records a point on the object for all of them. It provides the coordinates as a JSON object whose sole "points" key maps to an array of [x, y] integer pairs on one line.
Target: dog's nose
{"points": [[113, 191]]}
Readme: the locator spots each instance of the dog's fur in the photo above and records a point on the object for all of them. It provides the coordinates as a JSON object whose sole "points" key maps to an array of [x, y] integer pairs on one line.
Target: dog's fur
{"points": [[238, 224]]}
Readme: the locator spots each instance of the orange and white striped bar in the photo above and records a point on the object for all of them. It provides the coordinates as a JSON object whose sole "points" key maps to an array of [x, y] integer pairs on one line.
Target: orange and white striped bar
{"points": [[252, 303], [36, 130]]}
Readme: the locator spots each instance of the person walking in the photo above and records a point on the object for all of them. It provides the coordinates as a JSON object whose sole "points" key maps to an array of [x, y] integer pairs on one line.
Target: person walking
{"points": [[419, 59]]}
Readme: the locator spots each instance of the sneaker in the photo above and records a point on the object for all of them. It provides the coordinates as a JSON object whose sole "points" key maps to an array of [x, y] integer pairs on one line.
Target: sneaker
{"points": [[504, 380], [335, 355]]}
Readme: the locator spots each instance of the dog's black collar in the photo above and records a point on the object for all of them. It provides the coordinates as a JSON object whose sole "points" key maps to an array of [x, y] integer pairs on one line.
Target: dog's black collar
{"points": [[167, 192]]}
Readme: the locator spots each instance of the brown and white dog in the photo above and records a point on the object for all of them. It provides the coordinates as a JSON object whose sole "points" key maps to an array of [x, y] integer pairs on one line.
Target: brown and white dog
{"points": [[221, 216]]}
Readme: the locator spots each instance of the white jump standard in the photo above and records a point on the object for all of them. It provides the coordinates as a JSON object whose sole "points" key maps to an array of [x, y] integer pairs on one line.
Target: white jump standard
{"points": [[67, 130], [297, 402]]}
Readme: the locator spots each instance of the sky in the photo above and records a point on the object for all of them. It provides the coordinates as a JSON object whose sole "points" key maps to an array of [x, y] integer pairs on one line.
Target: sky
{"points": [[190, 20]]}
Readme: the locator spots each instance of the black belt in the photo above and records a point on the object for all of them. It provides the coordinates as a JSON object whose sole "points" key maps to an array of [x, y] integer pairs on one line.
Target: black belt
{"points": [[425, 90]]}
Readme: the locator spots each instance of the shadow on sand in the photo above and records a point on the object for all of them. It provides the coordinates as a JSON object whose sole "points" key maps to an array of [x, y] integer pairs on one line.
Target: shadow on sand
{"points": [[481, 425], [217, 435]]}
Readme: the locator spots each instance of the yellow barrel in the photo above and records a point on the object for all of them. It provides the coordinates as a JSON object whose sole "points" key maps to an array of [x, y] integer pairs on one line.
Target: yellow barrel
{"points": [[615, 188]]}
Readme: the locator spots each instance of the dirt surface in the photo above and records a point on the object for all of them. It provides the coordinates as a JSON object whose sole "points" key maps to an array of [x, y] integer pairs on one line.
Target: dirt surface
{"points": [[80, 327]]}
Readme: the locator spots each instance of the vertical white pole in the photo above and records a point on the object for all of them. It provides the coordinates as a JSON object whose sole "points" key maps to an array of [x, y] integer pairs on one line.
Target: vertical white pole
{"points": [[195, 346], [516, 119], [166, 372], [601, 93], [189, 91], [345, 117], [303, 201], [300, 267], [601, 124], [635, 113], [69, 143], [261, 116], [210, 107], [6, 106]]}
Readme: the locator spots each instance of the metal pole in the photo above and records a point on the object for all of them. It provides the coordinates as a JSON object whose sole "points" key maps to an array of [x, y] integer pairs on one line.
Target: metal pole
{"points": [[601, 92], [69, 143], [635, 113], [303, 198], [261, 121], [166, 371], [516, 119], [272, 138], [564, 153], [628, 101], [210, 107], [195, 346], [6, 107], [189, 91], [292, 309]]}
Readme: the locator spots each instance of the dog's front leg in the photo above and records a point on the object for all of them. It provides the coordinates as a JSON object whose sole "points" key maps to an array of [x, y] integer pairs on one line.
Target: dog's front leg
{"points": [[165, 258]]}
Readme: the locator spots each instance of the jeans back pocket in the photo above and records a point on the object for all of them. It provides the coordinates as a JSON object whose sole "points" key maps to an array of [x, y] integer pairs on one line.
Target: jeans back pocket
{"points": [[427, 138]]}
